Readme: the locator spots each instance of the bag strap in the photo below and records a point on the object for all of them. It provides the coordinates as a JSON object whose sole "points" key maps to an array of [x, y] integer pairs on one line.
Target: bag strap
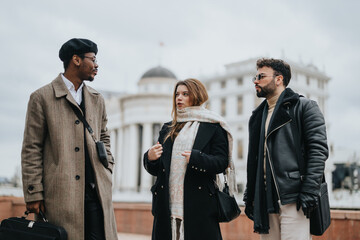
{"points": [[83, 120], [226, 186], [41, 215], [225, 179], [295, 133]]}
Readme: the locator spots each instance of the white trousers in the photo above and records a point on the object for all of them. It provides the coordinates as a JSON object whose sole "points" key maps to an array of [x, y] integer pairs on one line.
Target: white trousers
{"points": [[288, 224]]}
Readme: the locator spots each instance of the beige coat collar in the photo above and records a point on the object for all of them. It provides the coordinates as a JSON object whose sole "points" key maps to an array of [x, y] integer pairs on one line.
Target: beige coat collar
{"points": [[60, 89]]}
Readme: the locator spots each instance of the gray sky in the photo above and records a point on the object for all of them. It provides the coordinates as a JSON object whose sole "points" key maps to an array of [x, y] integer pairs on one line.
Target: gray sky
{"points": [[199, 36]]}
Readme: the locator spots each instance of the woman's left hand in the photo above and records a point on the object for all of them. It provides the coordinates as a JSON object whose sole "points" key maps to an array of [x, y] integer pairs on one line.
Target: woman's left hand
{"points": [[186, 154]]}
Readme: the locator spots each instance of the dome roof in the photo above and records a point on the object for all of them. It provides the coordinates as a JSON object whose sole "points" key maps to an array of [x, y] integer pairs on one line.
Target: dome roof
{"points": [[157, 72]]}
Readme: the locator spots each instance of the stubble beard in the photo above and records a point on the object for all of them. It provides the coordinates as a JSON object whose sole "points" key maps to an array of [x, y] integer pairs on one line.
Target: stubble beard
{"points": [[267, 90], [90, 78]]}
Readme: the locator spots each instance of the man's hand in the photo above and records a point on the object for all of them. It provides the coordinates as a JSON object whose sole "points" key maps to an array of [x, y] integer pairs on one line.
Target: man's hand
{"points": [[308, 202], [34, 207], [155, 152]]}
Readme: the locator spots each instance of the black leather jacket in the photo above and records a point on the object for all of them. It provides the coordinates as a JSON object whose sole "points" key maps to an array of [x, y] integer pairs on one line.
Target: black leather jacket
{"points": [[281, 148]]}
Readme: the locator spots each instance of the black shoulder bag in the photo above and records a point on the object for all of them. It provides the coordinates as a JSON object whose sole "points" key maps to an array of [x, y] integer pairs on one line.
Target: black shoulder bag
{"points": [[320, 217], [227, 205], [100, 146]]}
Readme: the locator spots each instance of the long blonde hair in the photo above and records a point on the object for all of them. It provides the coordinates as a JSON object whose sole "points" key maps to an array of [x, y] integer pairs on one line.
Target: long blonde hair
{"points": [[197, 94]]}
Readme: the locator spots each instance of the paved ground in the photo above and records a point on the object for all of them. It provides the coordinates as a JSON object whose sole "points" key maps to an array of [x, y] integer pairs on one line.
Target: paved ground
{"points": [[129, 236]]}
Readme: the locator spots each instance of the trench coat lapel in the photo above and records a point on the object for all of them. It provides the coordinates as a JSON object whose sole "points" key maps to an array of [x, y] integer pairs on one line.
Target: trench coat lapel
{"points": [[61, 90], [91, 98]]}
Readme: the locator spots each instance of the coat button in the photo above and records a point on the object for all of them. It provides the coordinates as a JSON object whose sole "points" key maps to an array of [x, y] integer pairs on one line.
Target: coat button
{"points": [[77, 122], [155, 193], [204, 170], [77, 177], [77, 149], [163, 169], [31, 187], [199, 188], [162, 186]]}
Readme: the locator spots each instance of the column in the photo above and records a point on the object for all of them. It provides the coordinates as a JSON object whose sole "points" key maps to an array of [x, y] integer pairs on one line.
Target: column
{"points": [[146, 178], [113, 149], [118, 159], [123, 155], [130, 160], [130, 163]]}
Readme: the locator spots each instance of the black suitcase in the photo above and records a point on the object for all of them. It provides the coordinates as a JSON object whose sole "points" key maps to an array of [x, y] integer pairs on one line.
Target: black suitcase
{"points": [[19, 228]]}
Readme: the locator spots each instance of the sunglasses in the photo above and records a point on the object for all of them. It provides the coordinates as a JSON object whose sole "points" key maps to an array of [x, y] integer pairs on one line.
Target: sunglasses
{"points": [[261, 76]]}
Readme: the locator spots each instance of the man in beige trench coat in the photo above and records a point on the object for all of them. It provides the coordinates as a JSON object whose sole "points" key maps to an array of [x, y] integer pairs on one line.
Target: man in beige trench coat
{"points": [[61, 171]]}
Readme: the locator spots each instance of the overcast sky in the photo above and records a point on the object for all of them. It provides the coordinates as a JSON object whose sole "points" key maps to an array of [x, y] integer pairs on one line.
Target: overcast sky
{"points": [[199, 38]]}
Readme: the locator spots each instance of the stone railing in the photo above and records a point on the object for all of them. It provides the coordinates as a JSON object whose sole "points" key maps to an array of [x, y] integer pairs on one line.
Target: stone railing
{"points": [[137, 218]]}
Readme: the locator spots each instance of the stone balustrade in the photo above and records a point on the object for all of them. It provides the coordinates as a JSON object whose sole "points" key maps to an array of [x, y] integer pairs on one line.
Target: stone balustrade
{"points": [[137, 218]]}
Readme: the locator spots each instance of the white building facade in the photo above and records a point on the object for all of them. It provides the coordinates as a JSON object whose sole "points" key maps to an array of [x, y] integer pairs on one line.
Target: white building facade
{"points": [[135, 119]]}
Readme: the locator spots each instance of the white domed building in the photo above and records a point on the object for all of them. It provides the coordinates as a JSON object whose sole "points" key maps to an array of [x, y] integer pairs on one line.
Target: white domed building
{"points": [[135, 119], [134, 123]]}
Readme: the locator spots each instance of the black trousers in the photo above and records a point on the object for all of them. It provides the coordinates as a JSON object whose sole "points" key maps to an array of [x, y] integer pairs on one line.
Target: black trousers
{"points": [[94, 217]]}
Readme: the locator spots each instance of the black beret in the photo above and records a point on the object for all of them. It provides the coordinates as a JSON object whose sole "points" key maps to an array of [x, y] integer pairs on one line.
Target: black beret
{"points": [[76, 46]]}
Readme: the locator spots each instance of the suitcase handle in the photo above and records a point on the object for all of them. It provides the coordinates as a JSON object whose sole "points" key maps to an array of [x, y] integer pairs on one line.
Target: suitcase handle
{"points": [[41, 215]]}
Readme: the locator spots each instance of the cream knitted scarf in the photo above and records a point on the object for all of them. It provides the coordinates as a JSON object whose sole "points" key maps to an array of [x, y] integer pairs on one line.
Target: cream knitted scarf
{"points": [[185, 141]]}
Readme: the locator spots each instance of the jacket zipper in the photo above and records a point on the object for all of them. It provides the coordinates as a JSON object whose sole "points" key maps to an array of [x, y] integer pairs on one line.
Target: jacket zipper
{"points": [[271, 166]]}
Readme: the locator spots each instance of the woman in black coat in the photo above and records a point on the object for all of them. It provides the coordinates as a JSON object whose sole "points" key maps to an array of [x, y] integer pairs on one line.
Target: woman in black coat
{"points": [[191, 150]]}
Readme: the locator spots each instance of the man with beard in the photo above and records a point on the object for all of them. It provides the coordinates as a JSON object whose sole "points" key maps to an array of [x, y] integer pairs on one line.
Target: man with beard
{"points": [[61, 170], [276, 189]]}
